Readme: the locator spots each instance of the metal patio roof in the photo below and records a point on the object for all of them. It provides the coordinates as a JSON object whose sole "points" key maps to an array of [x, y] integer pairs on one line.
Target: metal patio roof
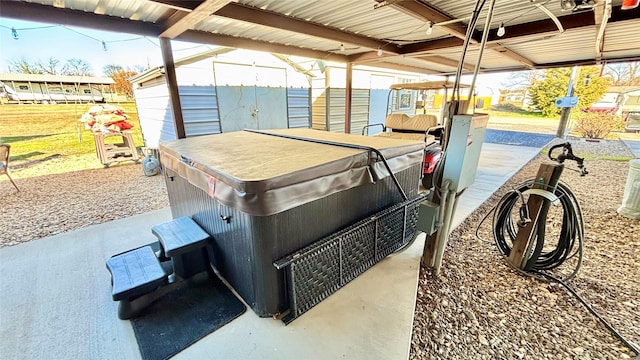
{"points": [[390, 34]]}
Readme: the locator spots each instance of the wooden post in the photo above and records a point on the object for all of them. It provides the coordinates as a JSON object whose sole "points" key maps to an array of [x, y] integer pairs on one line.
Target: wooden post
{"points": [[546, 179], [429, 250]]}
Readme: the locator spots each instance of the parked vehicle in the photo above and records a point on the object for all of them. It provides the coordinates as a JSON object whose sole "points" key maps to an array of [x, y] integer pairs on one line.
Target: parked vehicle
{"points": [[419, 126], [604, 107], [632, 122]]}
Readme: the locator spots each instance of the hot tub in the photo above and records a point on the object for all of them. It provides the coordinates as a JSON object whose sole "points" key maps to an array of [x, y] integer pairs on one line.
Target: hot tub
{"points": [[265, 195]]}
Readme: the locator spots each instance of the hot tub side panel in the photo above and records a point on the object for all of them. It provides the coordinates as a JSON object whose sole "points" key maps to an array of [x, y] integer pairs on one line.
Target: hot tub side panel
{"points": [[246, 246]]}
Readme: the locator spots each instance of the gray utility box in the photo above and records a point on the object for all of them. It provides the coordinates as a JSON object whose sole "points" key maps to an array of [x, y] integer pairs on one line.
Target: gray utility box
{"points": [[263, 197], [463, 149]]}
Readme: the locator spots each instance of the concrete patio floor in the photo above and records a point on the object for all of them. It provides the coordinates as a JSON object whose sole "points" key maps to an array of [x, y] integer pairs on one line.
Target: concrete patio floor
{"points": [[55, 300]]}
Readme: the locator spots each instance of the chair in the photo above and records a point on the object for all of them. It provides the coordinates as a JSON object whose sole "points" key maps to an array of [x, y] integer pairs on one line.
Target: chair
{"points": [[429, 122], [418, 127], [4, 162]]}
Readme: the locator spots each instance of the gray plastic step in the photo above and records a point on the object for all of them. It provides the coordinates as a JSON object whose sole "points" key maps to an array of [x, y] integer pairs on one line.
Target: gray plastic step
{"points": [[135, 273], [180, 236]]}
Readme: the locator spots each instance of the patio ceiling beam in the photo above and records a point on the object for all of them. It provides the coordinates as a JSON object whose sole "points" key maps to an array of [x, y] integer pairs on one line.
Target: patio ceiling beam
{"points": [[53, 15], [503, 50], [186, 5], [203, 37], [275, 20], [542, 27], [429, 46], [368, 57], [181, 21], [441, 60], [423, 11], [408, 68], [272, 19], [586, 62]]}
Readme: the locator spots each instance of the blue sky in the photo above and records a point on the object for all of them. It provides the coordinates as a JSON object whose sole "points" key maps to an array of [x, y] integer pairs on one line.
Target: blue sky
{"points": [[40, 41]]}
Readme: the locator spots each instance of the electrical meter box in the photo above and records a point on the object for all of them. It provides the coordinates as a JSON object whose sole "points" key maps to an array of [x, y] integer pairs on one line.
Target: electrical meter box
{"points": [[463, 149]]}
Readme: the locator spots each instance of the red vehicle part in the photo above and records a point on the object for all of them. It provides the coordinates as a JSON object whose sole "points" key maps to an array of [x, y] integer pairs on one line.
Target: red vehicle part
{"points": [[431, 158]]}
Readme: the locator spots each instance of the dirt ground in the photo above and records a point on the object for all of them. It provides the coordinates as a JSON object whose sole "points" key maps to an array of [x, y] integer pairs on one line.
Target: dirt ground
{"points": [[480, 308]]}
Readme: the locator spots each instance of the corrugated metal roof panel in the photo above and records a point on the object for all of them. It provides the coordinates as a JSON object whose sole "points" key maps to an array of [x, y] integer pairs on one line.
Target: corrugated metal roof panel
{"points": [[571, 45], [253, 31], [621, 39], [129, 9], [357, 16], [505, 11], [428, 66], [490, 59]]}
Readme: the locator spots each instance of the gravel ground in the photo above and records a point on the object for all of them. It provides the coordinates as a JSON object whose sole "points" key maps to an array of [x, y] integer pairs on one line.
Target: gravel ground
{"points": [[478, 308], [53, 204]]}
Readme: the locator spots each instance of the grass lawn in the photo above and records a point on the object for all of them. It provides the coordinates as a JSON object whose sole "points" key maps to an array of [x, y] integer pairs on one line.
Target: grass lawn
{"points": [[48, 139]]}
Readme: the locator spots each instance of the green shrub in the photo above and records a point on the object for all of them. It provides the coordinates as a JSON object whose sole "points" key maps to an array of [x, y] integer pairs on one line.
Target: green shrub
{"points": [[596, 125]]}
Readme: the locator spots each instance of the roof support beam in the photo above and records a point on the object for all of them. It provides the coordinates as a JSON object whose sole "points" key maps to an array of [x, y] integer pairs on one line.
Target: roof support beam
{"points": [[202, 37], [52, 15], [501, 49], [348, 91], [423, 11], [181, 21], [271, 19], [275, 20], [408, 68], [186, 5], [441, 60], [368, 57], [541, 27], [427, 46], [174, 96]]}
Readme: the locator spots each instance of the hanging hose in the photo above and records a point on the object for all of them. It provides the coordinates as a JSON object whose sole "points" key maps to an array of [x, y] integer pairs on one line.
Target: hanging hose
{"points": [[569, 243], [571, 234]]}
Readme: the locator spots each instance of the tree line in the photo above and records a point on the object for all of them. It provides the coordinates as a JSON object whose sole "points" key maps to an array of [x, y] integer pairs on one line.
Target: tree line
{"points": [[590, 84], [78, 67]]}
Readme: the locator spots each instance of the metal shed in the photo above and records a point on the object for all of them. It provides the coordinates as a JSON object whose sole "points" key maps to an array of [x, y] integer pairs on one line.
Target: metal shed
{"points": [[218, 96], [370, 90]]}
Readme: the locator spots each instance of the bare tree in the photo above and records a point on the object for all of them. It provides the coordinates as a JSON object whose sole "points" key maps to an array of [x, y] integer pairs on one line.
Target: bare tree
{"points": [[50, 66], [137, 68], [23, 66], [522, 79], [623, 74], [75, 66], [111, 69]]}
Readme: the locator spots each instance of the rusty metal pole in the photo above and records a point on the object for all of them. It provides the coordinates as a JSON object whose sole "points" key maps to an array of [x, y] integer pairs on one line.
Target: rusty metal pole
{"points": [[172, 84], [347, 99]]}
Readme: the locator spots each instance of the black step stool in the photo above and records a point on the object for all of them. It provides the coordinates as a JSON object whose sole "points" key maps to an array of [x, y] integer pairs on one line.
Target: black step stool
{"points": [[138, 277], [185, 242]]}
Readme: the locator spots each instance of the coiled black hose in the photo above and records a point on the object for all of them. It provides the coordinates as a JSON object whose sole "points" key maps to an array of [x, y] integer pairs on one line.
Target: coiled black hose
{"points": [[569, 244], [572, 233]]}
